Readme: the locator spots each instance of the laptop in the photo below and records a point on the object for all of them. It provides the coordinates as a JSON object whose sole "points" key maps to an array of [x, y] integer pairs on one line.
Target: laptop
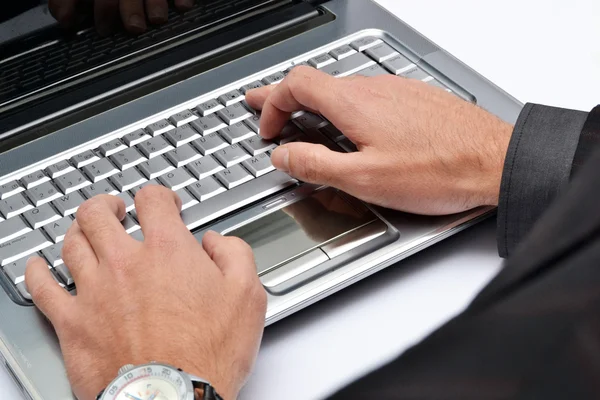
{"points": [[82, 114]]}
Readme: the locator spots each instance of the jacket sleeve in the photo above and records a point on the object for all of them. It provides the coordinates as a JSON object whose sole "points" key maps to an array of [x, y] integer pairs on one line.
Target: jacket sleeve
{"points": [[537, 168]]}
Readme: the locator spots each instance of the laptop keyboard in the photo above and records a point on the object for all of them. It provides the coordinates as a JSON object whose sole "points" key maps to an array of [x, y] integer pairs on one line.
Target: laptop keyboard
{"points": [[210, 154], [65, 58]]}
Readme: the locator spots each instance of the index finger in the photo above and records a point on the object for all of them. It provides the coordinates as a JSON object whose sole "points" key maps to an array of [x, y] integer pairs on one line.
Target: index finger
{"points": [[63, 11]]}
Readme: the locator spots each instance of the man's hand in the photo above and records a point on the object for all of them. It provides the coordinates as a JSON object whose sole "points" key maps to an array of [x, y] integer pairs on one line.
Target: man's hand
{"points": [[133, 13], [168, 299], [421, 149]]}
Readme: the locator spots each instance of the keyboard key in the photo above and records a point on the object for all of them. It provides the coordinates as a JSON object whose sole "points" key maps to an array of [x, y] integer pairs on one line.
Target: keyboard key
{"points": [[71, 182], [177, 179], [365, 43], [14, 205], [155, 167], [16, 270], [416, 73], [238, 132], [398, 64], [232, 155], [210, 144], [11, 228], [130, 224], [204, 167], [22, 246], [259, 165], [182, 135], [321, 60], [237, 197], [206, 188], [127, 158], [58, 229], [250, 86], [40, 216], [187, 200], [310, 121], [273, 78], [231, 97], [257, 145], [43, 193], [101, 187], [234, 113], [138, 235], [127, 179], [53, 254], [34, 179], [381, 52], [183, 155], [128, 200], [347, 145], [342, 52], [10, 188], [234, 176], [143, 185], [289, 133], [373, 70], [182, 118], [135, 137], [23, 291], [154, 147], [84, 158], [209, 107], [348, 65], [159, 127], [254, 123], [59, 168], [332, 132], [440, 85], [111, 147], [69, 203], [64, 274], [100, 169], [209, 124]]}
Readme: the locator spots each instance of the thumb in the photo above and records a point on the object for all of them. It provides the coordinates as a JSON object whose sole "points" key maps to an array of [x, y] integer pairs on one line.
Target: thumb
{"points": [[45, 291], [315, 163]]}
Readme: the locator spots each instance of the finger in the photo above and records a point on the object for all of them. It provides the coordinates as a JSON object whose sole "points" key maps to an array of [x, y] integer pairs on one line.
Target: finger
{"points": [[48, 296], [231, 254], [317, 164], [77, 253], [183, 5], [158, 211], [256, 97], [133, 16], [63, 11], [157, 11], [106, 14], [304, 88], [100, 220]]}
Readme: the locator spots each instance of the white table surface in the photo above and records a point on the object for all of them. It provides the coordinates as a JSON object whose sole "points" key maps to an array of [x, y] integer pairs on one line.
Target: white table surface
{"points": [[543, 51]]}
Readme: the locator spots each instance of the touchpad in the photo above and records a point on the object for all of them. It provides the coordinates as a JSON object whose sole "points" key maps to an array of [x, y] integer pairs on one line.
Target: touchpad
{"points": [[309, 232]]}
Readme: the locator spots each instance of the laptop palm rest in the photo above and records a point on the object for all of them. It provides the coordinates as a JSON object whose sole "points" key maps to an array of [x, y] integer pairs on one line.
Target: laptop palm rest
{"points": [[311, 237]]}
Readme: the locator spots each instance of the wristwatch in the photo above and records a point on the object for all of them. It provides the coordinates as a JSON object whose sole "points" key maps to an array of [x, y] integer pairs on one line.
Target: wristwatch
{"points": [[156, 381]]}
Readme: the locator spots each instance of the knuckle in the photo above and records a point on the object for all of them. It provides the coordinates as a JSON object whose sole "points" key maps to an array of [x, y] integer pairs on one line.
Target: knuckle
{"points": [[308, 165]]}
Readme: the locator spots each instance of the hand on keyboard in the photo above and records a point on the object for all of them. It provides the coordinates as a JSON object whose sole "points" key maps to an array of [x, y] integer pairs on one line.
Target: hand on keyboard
{"points": [[421, 149], [168, 298], [134, 13]]}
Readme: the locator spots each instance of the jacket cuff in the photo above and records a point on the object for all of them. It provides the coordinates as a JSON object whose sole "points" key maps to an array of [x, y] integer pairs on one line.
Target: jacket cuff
{"points": [[537, 168]]}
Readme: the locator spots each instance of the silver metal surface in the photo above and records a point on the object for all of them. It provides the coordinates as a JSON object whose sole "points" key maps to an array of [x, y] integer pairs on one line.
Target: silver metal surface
{"points": [[294, 268], [71, 182], [155, 167], [154, 147], [231, 97], [12, 228], [365, 43], [22, 246], [177, 179], [398, 64], [182, 135], [43, 193], [234, 113], [14, 205], [58, 229], [259, 165], [208, 124], [127, 179], [231, 155], [204, 167], [233, 176], [210, 143], [101, 169], [342, 52], [53, 254], [127, 158], [69, 203], [349, 65], [40, 216], [102, 187], [206, 188], [381, 52], [239, 131], [183, 155], [374, 70]]}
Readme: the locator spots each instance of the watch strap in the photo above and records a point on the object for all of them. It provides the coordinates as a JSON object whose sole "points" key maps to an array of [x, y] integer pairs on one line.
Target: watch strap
{"points": [[210, 393]]}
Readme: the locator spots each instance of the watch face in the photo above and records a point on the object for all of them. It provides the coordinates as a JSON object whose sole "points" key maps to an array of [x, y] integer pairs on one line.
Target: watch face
{"points": [[150, 382]]}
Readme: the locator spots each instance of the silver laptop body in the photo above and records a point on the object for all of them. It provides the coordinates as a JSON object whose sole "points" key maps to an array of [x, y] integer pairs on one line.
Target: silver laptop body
{"points": [[299, 262]]}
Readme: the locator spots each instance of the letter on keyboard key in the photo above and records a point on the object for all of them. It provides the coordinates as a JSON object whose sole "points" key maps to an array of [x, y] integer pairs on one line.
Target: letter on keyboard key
{"points": [[127, 158], [12, 228], [59, 168], [204, 167], [102, 187], [342, 52], [210, 144], [135, 137], [234, 113], [365, 43], [84, 158], [10, 188], [23, 246], [71, 182], [238, 132], [234, 176], [232, 155], [231, 97], [58, 229], [111, 147], [257, 145], [209, 107], [127, 179], [183, 155], [154, 147], [206, 188], [177, 179], [259, 165], [155, 167], [41, 216], [34, 179], [182, 135], [250, 86], [69, 203], [43, 193], [159, 127], [53, 254], [187, 200], [100, 169], [348, 65], [208, 124], [14, 205], [182, 118]]}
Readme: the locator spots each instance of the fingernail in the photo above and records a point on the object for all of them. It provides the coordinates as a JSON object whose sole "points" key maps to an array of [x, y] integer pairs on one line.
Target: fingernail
{"points": [[135, 21], [157, 16], [281, 159], [30, 260]]}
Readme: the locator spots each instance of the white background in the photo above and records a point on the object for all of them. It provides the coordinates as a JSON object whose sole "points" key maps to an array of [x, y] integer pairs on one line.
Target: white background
{"points": [[543, 51]]}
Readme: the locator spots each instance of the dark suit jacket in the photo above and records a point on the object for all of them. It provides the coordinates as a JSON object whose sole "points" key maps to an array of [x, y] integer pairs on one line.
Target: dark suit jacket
{"points": [[534, 331]]}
